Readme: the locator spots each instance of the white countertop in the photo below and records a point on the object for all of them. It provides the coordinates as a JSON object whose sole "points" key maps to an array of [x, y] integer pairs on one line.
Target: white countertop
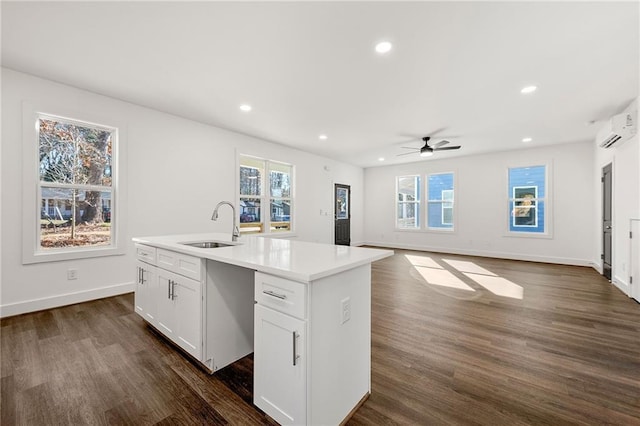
{"points": [[296, 260]]}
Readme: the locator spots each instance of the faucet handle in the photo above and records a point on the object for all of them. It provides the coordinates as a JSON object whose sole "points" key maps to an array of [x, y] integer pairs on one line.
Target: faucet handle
{"points": [[236, 233]]}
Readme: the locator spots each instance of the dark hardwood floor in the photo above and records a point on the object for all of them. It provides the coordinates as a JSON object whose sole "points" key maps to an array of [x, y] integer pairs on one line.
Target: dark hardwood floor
{"points": [[455, 340]]}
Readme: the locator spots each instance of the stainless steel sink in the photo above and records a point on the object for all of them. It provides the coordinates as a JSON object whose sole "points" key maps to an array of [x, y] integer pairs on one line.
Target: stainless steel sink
{"points": [[207, 244]]}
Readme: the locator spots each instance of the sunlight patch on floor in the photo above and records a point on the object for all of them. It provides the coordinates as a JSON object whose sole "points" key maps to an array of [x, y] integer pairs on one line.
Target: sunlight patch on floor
{"points": [[442, 278], [423, 261], [498, 285], [466, 266]]}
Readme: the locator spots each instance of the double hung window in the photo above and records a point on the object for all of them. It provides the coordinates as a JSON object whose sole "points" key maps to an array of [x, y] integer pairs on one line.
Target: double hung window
{"points": [[265, 183], [439, 209], [408, 202], [75, 191], [440, 192], [528, 199]]}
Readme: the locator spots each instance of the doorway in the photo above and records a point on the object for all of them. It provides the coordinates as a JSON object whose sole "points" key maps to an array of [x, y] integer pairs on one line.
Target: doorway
{"points": [[342, 214], [607, 222], [634, 278]]}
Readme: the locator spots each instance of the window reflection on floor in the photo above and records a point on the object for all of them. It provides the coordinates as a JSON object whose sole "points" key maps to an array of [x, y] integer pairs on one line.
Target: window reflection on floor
{"points": [[436, 274]]}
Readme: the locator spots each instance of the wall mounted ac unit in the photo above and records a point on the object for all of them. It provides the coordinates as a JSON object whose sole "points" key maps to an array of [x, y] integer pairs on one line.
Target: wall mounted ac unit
{"points": [[617, 130]]}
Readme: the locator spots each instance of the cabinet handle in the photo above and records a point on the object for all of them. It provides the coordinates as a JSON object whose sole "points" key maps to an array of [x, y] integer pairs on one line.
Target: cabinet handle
{"points": [[295, 355], [139, 279], [169, 289], [274, 294], [173, 290]]}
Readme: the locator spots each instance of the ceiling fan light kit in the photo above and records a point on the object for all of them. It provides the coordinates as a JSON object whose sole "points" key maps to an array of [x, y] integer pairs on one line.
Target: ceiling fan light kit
{"points": [[428, 150]]}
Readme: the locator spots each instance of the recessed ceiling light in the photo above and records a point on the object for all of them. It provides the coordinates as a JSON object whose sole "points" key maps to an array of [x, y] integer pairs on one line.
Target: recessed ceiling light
{"points": [[528, 89], [525, 140], [323, 137], [383, 47], [245, 107], [381, 159]]}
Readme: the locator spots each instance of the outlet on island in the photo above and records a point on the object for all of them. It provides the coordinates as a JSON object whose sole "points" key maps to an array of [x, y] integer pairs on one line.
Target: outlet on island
{"points": [[345, 305], [72, 274]]}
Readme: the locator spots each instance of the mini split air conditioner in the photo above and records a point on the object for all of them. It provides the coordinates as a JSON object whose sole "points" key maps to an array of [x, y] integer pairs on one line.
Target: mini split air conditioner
{"points": [[617, 130]]}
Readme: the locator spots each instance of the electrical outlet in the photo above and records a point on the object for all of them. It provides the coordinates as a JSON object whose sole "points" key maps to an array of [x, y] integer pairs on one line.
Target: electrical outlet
{"points": [[72, 274], [345, 305]]}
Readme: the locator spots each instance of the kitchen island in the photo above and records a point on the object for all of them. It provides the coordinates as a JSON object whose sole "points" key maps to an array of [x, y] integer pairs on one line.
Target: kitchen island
{"points": [[303, 309]]}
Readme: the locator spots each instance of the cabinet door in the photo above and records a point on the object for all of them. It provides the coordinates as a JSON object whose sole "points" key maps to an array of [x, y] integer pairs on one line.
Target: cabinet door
{"points": [[145, 294], [279, 387], [187, 295], [165, 315], [179, 315]]}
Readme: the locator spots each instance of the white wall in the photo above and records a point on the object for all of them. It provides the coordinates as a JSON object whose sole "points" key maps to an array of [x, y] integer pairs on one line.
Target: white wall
{"points": [[177, 171], [625, 160], [482, 209]]}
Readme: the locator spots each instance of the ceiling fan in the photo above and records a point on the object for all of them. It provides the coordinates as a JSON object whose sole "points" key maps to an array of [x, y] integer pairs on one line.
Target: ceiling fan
{"points": [[428, 150]]}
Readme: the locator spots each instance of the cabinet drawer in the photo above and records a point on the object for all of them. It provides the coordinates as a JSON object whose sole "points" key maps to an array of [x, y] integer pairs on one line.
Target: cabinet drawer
{"points": [[146, 254], [188, 266], [283, 295]]}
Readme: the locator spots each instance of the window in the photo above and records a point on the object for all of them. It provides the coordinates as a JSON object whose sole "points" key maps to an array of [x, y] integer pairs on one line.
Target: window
{"points": [[75, 186], [408, 202], [253, 181], [527, 199], [440, 201]]}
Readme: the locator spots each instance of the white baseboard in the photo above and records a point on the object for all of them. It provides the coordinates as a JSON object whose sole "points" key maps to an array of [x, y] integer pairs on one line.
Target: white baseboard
{"points": [[492, 254], [64, 299]]}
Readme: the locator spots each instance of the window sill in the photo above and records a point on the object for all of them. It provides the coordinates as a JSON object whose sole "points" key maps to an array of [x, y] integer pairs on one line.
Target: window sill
{"points": [[71, 254], [543, 236], [427, 230]]}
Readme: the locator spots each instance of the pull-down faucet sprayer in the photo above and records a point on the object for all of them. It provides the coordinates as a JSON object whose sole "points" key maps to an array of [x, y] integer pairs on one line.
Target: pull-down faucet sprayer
{"points": [[235, 233]]}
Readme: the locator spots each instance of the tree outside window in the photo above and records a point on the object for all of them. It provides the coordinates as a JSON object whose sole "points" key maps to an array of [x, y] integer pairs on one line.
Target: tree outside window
{"points": [[75, 186], [253, 180]]}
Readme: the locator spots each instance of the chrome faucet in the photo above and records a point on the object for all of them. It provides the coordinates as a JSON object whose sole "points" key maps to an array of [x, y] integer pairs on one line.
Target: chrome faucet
{"points": [[236, 232]]}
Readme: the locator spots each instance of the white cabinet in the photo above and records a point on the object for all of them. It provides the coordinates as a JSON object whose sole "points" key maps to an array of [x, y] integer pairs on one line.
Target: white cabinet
{"points": [[280, 382], [280, 355], [170, 296], [146, 283], [179, 315], [311, 361], [146, 291]]}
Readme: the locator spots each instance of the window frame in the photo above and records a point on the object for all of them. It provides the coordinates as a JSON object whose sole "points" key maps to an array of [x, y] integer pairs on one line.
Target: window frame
{"points": [[443, 207], [32, 185], [510, 199], [417, 203], [265, 198], [442, 202]]}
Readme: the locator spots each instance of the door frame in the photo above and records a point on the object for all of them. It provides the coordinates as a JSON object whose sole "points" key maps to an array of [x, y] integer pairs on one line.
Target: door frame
{"points": [[339, 219], [607, 272]]}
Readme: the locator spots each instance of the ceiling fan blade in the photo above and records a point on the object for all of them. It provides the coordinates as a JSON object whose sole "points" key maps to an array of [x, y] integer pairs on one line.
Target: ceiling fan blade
{"points": [[446, 148], [407, 153], [439, 144], [410, 147]]}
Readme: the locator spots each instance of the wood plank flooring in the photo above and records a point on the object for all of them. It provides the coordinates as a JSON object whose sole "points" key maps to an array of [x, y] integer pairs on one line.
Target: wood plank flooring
{"points": [[455, 340]]}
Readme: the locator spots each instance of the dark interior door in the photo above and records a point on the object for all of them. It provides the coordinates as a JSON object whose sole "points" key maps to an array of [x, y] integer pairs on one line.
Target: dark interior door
{"points": [[607, 222], [342, 214]]}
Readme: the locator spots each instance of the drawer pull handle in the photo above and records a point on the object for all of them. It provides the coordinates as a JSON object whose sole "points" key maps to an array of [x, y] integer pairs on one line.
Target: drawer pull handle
{"points": [[173, 290], [295, 355], [274, 294]]}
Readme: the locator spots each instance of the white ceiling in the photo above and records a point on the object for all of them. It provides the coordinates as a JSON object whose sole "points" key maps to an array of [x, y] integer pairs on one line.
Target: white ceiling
{"points": [[309, 68]]}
